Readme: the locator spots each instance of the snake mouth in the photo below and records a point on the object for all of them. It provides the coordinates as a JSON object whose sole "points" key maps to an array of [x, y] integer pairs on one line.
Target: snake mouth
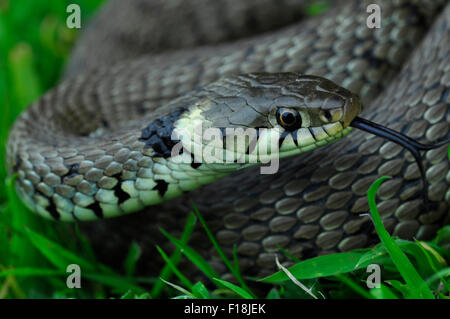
{"points": [[401, 139], [305, 139]]}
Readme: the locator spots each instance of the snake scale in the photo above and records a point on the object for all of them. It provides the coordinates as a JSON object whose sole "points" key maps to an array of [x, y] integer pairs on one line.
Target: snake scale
{"points": [[88, 148]]}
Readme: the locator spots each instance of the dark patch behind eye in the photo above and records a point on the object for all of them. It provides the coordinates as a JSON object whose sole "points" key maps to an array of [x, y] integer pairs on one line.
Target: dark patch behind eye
{"points": [[157, 134]]}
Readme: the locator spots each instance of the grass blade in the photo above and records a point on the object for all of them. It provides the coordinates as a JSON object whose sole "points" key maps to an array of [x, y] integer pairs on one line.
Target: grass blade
{"points": [[416, 284], [166, 272], [236, 289], [132, 258], [192, 255], [55, 253], [383, 292], [175, 270], [235, 271], [23, 272], [354, 286], [199, 290], [321, 266], [180, 289]]}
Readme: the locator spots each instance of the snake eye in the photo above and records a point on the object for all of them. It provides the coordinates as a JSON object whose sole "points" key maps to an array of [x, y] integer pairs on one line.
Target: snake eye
{"points": [[289, 119]]}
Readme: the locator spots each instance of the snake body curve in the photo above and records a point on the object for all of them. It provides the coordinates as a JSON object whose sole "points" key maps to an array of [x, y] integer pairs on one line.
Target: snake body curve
{"points": [[313, 204]]}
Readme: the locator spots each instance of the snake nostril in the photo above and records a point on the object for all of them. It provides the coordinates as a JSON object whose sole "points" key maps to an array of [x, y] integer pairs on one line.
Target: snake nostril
{"points": [[326, 116]]}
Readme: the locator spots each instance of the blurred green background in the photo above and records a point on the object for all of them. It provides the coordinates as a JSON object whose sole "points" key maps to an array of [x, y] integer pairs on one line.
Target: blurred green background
{"points": [[34, 46]]}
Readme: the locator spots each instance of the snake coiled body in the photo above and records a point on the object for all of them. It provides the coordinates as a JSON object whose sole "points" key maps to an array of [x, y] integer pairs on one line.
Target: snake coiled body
{"points": [[84, 138]]}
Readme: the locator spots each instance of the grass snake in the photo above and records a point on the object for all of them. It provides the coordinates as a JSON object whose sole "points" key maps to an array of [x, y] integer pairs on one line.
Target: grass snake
{"points": [[98, 144]]}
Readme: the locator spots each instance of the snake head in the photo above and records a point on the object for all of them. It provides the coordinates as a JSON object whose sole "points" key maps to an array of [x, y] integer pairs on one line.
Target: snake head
{"points": [[301, 111], [312, 111]]}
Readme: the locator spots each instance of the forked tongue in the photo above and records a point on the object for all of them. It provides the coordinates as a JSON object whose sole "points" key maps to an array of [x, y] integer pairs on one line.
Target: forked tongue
{"points": [[410, 144]]}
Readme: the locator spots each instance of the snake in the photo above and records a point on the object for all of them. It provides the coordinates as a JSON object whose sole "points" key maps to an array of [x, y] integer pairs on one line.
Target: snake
{"points": [[100, 144]]}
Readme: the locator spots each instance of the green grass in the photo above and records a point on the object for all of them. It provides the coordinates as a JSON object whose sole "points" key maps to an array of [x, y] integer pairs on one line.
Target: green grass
{"points": [[34, 253]]}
